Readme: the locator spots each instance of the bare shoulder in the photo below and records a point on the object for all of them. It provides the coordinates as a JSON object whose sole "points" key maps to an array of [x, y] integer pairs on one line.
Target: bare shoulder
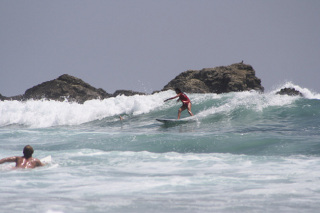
{"points": [[32, 163]]}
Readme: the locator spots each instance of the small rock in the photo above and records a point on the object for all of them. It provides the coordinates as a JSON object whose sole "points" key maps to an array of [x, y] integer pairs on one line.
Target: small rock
{"points": [[289, 91]]}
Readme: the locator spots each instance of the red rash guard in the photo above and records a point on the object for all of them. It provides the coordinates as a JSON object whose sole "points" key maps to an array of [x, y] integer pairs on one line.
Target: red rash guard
{"points": [[184, 98]]}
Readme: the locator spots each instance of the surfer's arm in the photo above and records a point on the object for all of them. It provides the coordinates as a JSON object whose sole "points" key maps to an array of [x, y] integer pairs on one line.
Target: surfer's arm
{"points": [[9, 159], [172, 98]]}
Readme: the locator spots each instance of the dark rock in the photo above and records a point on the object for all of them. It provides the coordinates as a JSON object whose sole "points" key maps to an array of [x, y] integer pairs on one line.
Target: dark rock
{"points": [[233, 78], [2, 98], [289, 91], [127, 93], [65, 87]]}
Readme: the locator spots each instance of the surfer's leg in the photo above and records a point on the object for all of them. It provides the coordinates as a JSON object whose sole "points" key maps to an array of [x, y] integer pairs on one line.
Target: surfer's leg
{"points": [[179, 113], [189, 109], [183, 107]]}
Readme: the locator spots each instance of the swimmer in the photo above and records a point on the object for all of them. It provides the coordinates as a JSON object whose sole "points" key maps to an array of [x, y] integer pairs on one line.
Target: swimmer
{"points": [[24, 162]]}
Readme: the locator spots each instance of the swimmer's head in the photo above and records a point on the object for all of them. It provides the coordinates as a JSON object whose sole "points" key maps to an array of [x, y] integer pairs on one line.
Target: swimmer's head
{"points": [[27, 151]]}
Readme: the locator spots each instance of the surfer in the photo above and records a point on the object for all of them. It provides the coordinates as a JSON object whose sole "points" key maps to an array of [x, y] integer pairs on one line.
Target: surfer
{"points": [[24, 162], [186, 103]]}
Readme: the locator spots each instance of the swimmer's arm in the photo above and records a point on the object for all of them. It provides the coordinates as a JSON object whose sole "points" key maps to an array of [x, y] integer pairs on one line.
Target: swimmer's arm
{"points": [[9, 159]]}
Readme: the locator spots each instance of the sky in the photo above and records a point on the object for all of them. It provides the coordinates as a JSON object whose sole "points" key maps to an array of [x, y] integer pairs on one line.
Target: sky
{"points": [[141, 45]]}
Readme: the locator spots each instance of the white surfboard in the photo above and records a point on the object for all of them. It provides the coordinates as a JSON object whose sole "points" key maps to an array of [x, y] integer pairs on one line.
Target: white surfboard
{"points": [[174, 121], [46, 160]]}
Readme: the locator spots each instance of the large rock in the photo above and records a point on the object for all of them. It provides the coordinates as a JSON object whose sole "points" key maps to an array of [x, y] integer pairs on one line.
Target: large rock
{"points": [[65, 87], [223, 79]]}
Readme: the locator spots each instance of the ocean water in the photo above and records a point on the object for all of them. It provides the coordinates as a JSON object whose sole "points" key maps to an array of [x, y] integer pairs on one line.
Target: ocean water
{"points": [[241, 152]]}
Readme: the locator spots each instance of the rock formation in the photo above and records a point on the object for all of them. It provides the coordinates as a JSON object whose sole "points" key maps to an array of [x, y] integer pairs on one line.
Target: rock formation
{"points": [[223, 79], [3, 97], [17, 97], [289, 91], [127, 93], [65, 87], [233, 78]]}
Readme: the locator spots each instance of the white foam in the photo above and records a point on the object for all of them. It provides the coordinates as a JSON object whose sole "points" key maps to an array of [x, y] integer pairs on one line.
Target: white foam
{"points": [[305, 91], [250, 100], [47, 113]]}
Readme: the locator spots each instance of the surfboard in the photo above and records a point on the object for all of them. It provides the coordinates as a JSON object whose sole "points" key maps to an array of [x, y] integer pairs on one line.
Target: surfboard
{"points": [[46, 160], [173, 121]]}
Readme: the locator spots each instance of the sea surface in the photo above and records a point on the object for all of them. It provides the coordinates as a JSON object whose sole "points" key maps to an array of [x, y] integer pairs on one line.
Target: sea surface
{"points": [[241, 152]]}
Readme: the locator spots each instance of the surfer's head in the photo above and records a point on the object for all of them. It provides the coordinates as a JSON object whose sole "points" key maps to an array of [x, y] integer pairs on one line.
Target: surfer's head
{"points": [[27, 151], [178, 90]]}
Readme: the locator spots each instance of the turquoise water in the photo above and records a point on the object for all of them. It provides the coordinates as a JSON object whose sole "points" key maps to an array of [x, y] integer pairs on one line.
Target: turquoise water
{"points": [[242, 152]]}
